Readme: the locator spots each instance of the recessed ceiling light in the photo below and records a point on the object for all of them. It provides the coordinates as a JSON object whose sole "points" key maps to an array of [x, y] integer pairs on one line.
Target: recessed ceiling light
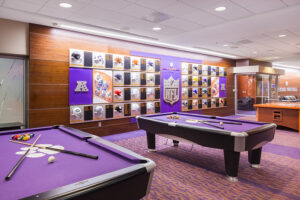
{"points": [[282, 35], [225, 45], [156, 28], [65, 5], [254, 52], [220, 8]]}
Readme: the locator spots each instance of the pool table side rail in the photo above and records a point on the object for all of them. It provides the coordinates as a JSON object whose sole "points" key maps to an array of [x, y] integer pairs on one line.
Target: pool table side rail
{"points": [[204, 116], [24, 130], [260, 136], [92, 184], [121, 152], [75, 132], [265, 127], [71, 131]]}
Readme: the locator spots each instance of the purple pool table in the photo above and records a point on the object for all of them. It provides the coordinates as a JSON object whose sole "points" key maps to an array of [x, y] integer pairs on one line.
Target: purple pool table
{"points": [[118, 173], [232, 136]]}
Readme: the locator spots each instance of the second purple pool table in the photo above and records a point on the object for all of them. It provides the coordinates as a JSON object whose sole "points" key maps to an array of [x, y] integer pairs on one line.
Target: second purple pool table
{"points": [[231, 135]]}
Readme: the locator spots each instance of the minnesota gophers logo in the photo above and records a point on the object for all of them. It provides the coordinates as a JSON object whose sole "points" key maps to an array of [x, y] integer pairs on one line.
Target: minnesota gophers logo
{"points": [[171, 90]]}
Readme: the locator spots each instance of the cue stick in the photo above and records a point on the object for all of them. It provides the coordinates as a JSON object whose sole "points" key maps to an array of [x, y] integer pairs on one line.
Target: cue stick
{"points": [[21, 160], [210, 121], [201, 121], [220, 127], [60, 150], [236, 123]]}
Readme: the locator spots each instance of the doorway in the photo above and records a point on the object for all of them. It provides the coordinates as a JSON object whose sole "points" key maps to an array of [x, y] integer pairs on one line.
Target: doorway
{"points": [[246, 94], [12, 90]]}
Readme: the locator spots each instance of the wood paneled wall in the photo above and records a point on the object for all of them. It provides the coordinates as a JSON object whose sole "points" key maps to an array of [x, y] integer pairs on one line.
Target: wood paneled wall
{"points": [[289, 83], [251, 62], [49, 78]]}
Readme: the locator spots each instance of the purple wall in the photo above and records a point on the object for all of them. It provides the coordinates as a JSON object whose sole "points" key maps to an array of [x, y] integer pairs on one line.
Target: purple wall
{"points": [[166, 72], [78, 74]]}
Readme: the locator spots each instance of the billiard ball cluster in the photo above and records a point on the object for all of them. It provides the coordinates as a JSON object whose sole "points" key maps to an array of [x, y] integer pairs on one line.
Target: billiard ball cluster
{"points": [[23, 137], [173, 117]]}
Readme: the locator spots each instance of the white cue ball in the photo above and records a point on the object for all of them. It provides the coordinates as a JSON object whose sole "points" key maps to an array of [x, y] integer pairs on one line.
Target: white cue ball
{"points": [[221, 123], [51, 159]]}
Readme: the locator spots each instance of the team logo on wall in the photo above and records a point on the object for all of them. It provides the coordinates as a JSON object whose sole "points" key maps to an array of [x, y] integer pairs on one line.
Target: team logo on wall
{"points": [[81, 87], [171, 90]]}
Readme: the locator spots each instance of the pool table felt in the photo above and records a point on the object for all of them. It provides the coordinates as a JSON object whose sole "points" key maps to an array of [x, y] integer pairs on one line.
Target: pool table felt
{"points": [[246, 125], [36, 175]]}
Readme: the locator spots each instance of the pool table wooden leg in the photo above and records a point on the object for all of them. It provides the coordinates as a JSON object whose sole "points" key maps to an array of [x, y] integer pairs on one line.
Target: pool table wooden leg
{"points": [[254, 157], [232, 160], [151, 141]]}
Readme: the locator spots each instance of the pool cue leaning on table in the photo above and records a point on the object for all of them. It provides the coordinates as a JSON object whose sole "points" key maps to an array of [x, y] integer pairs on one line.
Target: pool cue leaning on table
{"points": [[21, 160], [60, 150]]}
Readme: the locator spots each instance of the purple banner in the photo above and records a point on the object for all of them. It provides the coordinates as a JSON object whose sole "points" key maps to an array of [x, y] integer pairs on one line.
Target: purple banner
{"points": [[80, 86], [170, 66], [223, 87]]}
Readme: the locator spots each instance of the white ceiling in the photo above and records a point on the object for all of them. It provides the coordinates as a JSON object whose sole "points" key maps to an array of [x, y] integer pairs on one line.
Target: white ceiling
{"points": [[249, 27]]}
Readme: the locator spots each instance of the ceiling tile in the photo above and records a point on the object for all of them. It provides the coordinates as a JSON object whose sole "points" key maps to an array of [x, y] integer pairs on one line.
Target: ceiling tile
{"points": [[156, 4], [204, 4], [291, 2], [291, 38], [232, 12], [202, 18], [111, 4], [141, 24], [76, 5], [181, 24], [55, 12], [144, 27], [162, 35], [259, 6], [178, 9], [295, 30], [94, 21], [102, 14], [133, 1], [26, 5], [136, 11]]}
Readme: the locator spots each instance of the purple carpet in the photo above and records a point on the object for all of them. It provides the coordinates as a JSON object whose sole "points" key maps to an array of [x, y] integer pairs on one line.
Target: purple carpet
{"points": [[196, 172]]}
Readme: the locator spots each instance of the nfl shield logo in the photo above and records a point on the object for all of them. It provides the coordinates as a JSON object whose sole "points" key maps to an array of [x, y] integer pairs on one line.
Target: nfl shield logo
{"points": [[171, 90]]}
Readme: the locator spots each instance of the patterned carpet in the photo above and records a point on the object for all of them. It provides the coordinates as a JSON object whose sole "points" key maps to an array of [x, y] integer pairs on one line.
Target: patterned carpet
{"points": [[195, 172]]}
